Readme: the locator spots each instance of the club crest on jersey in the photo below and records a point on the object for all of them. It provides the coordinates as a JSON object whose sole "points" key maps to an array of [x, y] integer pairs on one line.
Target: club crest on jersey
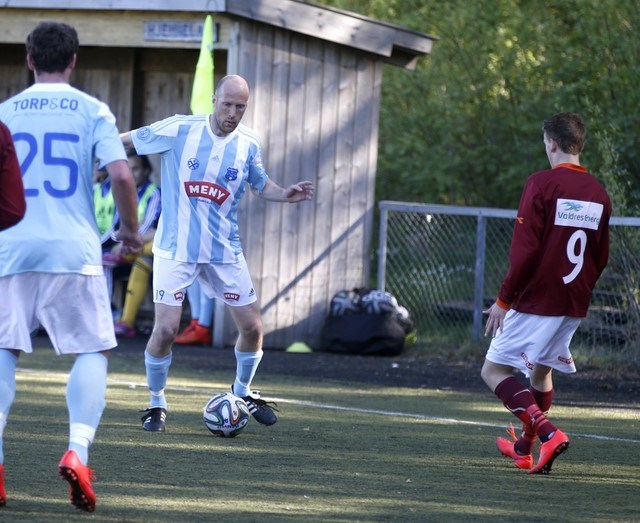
{"points": [[193, 163], [231, 174], [207, 190], [179, 296], [143, 133]]}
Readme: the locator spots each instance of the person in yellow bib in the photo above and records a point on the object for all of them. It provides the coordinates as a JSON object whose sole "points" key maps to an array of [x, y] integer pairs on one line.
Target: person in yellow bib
{"points": [[140, 264]]}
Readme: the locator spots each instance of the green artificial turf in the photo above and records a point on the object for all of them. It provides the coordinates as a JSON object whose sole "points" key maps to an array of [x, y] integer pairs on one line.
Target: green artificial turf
{"points": [[340, 452]]}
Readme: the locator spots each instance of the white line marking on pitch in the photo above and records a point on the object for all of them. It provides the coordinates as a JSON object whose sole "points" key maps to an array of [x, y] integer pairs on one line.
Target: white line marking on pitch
{"points": [[454, 421], [312, 404], [424, 417]]}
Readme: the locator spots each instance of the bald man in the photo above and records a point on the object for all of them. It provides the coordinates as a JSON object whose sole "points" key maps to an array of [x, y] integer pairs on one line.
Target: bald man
{"points": [[207, 161]]}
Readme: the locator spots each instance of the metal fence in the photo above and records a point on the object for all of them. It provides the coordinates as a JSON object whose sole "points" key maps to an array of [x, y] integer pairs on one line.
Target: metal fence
{"points": [[446, 264]]}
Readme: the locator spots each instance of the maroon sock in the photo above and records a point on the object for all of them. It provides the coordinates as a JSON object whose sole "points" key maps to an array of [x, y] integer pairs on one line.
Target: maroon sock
{"points": [[519, 400], [543, 399], [524, 445], [515, 397], [540, 424]]}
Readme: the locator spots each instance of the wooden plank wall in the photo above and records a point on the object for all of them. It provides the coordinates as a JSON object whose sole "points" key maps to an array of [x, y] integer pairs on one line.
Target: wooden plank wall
{"points": [[14, 75], [163, 88], [107, 74], [104, 73], [315, 106], [107, 28]]}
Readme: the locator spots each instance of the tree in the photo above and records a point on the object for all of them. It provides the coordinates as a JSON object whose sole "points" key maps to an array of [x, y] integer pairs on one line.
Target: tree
{"points": [[465, 126]]}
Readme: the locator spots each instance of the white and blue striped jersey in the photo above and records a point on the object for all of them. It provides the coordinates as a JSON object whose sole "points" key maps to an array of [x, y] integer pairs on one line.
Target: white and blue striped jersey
{"points": [[58, 132], [203, 179]]}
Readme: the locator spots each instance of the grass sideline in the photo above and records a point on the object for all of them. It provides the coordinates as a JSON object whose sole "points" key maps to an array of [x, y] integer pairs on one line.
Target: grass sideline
{"points": [[340, 452]]}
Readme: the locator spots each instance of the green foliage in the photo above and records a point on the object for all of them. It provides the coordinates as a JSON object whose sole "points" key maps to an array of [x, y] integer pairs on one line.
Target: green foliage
{"points": [[465, 126]]}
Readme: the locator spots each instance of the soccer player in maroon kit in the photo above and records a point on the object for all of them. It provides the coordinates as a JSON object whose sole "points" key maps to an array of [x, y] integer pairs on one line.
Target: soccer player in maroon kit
{"points": [[559, 248], [12, 200]]}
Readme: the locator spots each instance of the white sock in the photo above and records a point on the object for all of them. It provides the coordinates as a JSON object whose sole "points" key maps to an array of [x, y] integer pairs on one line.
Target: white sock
{"points": [[80, 439], [8, 362], [246, 366], [157, 373], [86, 400]]}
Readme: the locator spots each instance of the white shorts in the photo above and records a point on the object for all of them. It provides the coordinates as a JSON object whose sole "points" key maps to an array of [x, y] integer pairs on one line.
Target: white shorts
{"points": [[527, 339], [74, 309], [229, 282]]}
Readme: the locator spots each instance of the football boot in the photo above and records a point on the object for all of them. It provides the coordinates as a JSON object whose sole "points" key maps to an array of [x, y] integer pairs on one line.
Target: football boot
{"points": [[261, 410], [79, 477], [549, 451], [154, 419]]}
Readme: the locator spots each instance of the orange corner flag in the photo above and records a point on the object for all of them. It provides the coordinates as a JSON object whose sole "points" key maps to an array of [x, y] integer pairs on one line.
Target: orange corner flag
{"points": [[202, 92]]}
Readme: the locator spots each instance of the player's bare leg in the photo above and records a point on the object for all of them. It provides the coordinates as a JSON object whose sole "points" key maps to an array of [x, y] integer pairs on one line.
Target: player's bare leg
{"points": [[541, 378], [165, 329], [494, 373], [249, 323]]}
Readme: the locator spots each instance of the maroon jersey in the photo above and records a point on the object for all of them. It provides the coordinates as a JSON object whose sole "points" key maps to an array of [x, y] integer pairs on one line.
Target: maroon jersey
{"points": [[560, 243], [12, 199]]}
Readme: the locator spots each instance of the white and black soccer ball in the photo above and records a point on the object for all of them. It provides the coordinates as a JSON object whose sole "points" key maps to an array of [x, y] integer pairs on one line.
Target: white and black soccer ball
{"points": [[344, 302], [226, 415], [379, 302]]}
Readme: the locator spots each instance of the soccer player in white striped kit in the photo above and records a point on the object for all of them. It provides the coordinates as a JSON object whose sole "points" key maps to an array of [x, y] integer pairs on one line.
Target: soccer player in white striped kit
{"points": [[207, 162], [559, 248], [51, 262]]}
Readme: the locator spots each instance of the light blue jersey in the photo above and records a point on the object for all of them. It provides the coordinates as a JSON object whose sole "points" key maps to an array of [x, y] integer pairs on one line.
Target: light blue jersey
{"points": [[203, 179], [57, 130]]}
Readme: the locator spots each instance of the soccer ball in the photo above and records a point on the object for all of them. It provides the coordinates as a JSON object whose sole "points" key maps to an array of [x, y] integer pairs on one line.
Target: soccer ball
{"points": [[226, 415], [379, 302], [344, 302]]}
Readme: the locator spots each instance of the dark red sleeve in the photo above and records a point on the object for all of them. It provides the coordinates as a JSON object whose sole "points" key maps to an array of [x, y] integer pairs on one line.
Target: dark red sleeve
{"points": [[526, 243], [12, 200]]}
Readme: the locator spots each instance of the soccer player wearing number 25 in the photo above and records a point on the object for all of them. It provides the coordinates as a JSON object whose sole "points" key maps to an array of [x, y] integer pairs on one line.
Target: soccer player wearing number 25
{"points": [[559, 248], [51, 262], [208, 161]]}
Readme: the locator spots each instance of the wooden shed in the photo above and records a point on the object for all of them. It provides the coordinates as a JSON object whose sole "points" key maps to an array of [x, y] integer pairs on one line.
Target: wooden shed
{"points": [[315, 74]]}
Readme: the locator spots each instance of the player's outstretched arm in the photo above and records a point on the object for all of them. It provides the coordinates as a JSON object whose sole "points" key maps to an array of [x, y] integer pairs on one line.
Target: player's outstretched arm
{"points": [[298, 192], [123, 187]]}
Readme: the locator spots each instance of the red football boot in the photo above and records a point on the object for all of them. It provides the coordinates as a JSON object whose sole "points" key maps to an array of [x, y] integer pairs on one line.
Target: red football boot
{"points": [[197, 335], [79, 477], [549, 451], [507, 448], [3, 493]]}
